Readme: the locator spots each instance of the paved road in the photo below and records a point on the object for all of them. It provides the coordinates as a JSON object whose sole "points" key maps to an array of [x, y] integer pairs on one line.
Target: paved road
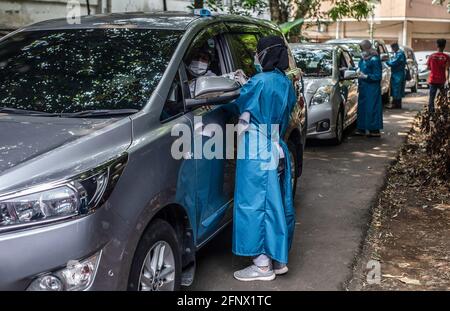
{"points": [[332, 203]]}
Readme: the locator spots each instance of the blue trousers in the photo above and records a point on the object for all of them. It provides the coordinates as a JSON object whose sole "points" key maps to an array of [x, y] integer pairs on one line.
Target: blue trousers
{"points": [[433, 92]]}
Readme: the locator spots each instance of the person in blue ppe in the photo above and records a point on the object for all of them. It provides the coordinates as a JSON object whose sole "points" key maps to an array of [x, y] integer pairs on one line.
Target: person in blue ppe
{"points": [[264, 216], [398, 77], [370, 109]]}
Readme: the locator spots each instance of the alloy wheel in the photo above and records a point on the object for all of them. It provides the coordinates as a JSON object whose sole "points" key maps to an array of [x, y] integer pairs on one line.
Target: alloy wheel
{"points": [[158, 269]]}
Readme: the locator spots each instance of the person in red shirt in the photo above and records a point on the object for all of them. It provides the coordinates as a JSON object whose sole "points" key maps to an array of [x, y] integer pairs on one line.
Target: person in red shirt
{"points": [[438, 64]]}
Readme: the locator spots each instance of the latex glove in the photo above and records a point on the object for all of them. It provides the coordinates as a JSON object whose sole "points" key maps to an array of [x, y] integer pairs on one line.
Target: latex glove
{"points": [[361, 75]]}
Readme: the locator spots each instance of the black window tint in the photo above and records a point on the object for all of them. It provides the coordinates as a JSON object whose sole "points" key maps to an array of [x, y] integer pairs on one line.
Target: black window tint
{"points": [[314, 63], [174, 103], [83, 69], [349, 60], [244, 48]]}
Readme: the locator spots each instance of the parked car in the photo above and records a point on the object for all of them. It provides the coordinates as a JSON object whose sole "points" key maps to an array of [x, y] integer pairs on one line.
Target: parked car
{"points": [[91, 197], [331, 89], [380, 46], [413, 67], [424, 73]]}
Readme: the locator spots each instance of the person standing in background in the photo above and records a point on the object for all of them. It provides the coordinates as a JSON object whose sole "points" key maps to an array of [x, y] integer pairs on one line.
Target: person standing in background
{"points": [[370, 109], [398, 77], [438, 64]]}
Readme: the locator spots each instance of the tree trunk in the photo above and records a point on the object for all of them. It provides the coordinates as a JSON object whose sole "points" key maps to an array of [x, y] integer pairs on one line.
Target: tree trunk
{"points": [[198, 4], [275, 11]]}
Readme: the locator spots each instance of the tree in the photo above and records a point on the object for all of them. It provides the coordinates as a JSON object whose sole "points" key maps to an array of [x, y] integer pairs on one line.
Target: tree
{"points": [[294, 12], [294, 9], [441, 2]]}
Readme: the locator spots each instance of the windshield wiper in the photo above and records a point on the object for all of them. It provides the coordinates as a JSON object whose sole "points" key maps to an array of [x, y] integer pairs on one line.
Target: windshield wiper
{"points": [[26, 112], [99, 113]]}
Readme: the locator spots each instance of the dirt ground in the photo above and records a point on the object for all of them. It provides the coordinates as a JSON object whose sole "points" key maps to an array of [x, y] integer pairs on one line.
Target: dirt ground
{"points": [[410, 230]]}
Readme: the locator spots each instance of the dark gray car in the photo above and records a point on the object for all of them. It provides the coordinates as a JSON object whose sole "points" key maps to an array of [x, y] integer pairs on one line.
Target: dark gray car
{"points": [[90, 194]]}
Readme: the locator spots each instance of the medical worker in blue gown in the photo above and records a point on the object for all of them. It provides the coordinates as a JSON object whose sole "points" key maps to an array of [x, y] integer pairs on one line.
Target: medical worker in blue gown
{"points": [[370, 109], [264, 216], [398, 77]]}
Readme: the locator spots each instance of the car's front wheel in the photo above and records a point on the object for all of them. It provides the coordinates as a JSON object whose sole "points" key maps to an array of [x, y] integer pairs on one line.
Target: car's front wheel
{"points": [[339, 130], [386, 97], [415, 87], [157, 261]]}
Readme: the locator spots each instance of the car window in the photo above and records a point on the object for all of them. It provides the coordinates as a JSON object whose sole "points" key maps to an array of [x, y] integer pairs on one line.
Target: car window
{"points": [[314, 63], [205, 49], [243, 48], [348, 60], [174, 103], [68, 71]]}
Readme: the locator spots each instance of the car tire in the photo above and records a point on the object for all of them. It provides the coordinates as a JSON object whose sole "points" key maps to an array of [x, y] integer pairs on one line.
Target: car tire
{"points": [[415, 87], [386, 98], [158, 237], [293, 157], [339, 129]]}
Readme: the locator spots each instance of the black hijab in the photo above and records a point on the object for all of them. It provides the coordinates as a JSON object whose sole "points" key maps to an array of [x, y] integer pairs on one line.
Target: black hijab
{"points": [[272, 53]]}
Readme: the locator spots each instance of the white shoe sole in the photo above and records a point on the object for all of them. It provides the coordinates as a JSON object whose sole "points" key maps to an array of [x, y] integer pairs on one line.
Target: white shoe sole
{"points": [[259, 278], [281, 271]]}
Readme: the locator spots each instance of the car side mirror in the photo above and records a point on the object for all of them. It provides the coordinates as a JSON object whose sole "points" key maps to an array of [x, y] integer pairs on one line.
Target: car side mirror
{"points": [[384, 57], [213, 91], [350, 74]]}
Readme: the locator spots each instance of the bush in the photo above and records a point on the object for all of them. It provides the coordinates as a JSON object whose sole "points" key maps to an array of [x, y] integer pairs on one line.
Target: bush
{"points": [[436, 127]]}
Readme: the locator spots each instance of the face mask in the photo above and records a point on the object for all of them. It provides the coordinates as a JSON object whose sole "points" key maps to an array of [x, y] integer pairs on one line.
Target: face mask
{"points": [[198, 67]]}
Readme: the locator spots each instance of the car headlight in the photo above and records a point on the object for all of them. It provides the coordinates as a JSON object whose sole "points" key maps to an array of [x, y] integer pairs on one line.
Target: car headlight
{"points": [[77, 196], [322, 96]]}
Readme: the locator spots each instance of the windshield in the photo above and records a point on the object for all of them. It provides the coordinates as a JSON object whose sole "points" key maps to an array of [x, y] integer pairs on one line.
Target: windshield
{"points": [[68, 71], [314, 62]]}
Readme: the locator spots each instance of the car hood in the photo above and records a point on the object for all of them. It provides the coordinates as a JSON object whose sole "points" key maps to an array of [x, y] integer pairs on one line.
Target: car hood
{"points": [[313, 84], [35, 149]]}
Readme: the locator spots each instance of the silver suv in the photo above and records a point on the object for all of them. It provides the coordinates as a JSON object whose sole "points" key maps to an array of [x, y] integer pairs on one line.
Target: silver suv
{"points": [[90, 194]]}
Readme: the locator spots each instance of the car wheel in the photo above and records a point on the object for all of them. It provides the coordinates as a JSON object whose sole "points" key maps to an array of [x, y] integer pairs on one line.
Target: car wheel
{"points": [[339, 130], [415, 87], [386, 98], [293, 158], [157, 261]]}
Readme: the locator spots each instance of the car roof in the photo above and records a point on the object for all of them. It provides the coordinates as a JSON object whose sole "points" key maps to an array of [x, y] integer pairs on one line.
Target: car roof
{"points": [[147, 20], [312, 46], [351, 41]]}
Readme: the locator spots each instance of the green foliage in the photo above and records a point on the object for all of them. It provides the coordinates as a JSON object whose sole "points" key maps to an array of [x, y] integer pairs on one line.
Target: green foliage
{"points": [[237, 7], [288, 26]]}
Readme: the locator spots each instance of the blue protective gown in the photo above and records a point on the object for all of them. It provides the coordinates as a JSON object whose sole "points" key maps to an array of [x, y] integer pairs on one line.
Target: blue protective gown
{"points": [[398, 77], [370, 109], [264, 216]]}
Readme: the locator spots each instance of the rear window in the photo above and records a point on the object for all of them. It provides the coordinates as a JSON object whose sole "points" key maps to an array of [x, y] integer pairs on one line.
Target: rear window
{"points": [[83, 69], [317, 63]]}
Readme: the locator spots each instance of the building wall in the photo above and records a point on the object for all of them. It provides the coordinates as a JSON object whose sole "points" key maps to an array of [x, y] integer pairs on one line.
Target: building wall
{"points": [[17, 13], [416, 23]]}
